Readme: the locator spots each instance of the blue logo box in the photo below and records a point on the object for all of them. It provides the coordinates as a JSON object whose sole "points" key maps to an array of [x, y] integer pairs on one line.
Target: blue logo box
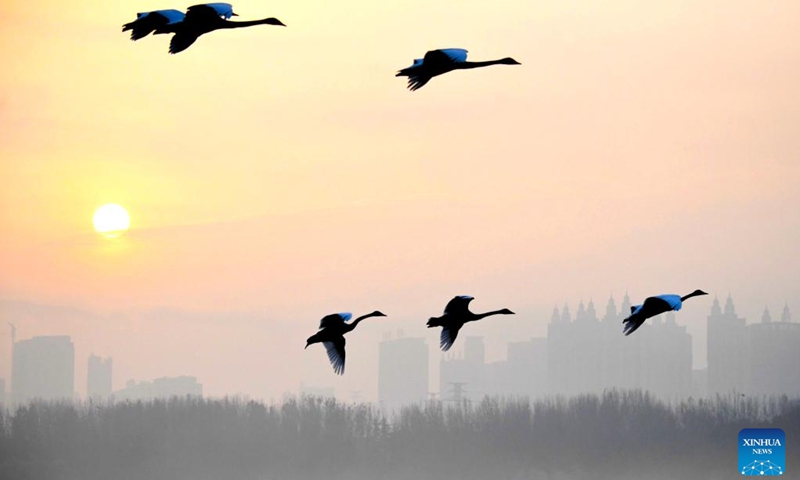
{"points": [[762, 452]]}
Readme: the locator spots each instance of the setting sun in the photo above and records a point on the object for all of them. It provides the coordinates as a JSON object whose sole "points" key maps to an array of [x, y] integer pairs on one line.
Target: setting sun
{"points": [[111, 220]]}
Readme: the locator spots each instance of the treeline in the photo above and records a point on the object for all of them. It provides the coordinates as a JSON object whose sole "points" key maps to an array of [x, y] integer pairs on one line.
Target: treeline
{"points": [[619, 435]]}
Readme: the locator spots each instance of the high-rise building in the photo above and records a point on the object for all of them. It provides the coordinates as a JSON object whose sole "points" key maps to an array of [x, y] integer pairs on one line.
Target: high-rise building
{"points": [[666, 357], [575, 352], [756, 359], [524, 372], [2, 392], [773, 356], [727, 349], [402, 371], [98, 380], [43, 368]]}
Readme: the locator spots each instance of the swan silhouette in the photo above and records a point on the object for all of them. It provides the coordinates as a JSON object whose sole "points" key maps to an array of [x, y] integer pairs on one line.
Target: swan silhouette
{"points": [[205, 18], [653, 306], [437, 62], [456, 314], [198, 20], [331, 334]]}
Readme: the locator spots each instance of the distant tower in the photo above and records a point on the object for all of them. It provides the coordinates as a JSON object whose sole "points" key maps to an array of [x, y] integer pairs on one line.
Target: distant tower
{"points": [[556, 317], [625, 308], [611, 310], [98, 378], [402, 371], [580, 315], [591, 313], [670, 318], [457, 394], [715, 310], [565, 315], [766, 317], [786, 316], [729, 308], [727, 345]]}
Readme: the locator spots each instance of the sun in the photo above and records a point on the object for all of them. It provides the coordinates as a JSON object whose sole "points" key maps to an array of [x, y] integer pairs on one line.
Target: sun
{"points": [[111, 220]]}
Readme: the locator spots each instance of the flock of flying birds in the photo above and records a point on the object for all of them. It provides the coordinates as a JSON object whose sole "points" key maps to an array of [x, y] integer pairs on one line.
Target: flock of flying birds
{"points": [[456, 313], [205, 18], [201, 19]]}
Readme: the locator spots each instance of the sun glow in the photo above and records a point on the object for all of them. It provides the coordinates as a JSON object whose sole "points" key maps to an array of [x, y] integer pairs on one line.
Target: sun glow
{"points": [[111, 220]]}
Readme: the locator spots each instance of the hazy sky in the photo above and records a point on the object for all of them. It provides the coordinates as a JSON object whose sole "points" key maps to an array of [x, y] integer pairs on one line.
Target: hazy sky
{"points": [[274, 175]]}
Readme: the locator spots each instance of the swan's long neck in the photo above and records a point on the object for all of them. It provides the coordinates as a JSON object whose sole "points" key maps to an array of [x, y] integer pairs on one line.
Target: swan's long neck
{"points": [[464, 65], [686, 297], [355, 322], [478, 316], [248, 23]]}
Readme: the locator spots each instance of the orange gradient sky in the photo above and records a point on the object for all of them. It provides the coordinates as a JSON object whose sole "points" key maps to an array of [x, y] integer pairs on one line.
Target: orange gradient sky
{"points": [[274, 175]]}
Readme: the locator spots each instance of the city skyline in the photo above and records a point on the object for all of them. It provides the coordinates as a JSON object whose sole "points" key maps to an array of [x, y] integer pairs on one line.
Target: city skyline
{"points": [[581, 312]]}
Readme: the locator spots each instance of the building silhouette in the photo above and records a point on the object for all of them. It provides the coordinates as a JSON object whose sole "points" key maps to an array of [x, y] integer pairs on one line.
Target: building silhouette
{"points": [[43, 368], [666, 358], [524, 372], [467, 372], [726, 340], [756, 359], [98, 379], [3, 400], [590, 355], [164, 387], [402, 371]]}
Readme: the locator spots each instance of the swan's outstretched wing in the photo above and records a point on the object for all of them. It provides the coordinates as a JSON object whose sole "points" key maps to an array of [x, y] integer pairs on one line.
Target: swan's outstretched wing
{"points": [[458, 305], [181, 41], [209, 12], [148, 22], [632, 323], [674, 301], [224, 10], [448, 337], [335, 320], [336, 354], [454, 54], [415, 82]]}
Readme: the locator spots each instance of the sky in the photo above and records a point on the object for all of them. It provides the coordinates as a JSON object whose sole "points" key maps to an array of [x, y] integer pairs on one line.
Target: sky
{"points": [[274, 175]]}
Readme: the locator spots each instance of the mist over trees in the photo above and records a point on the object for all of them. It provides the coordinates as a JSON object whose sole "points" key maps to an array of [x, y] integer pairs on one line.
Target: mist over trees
{"points": [[617, 434]]}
